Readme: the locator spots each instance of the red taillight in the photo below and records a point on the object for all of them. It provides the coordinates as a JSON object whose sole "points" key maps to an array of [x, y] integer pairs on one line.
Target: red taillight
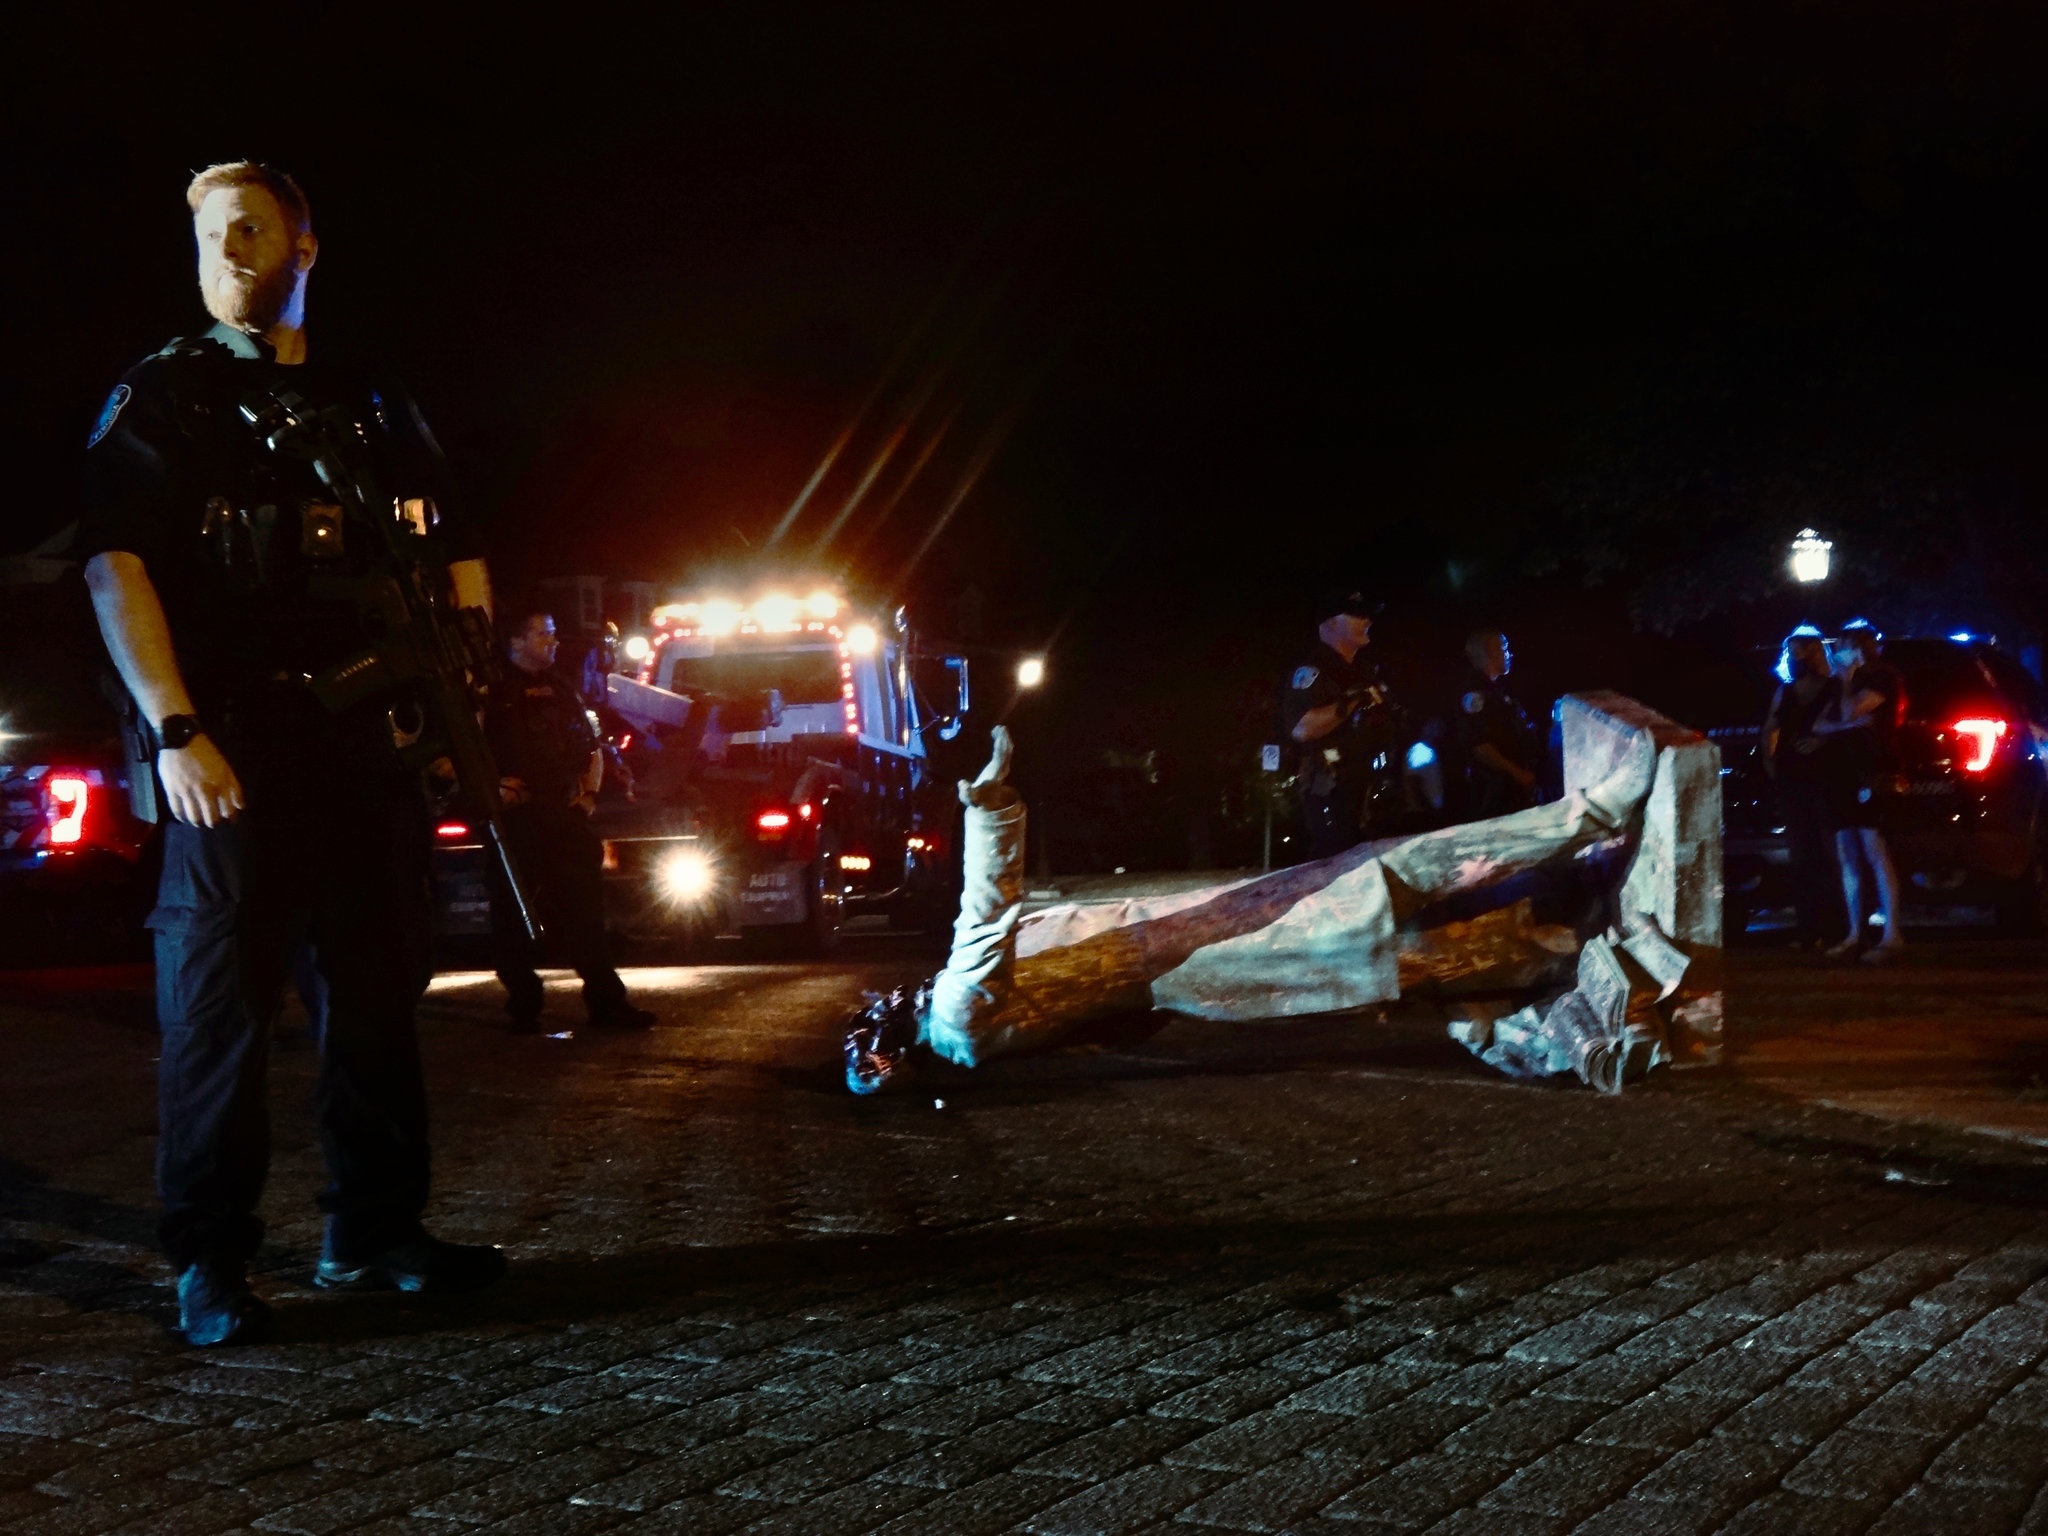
{"points": [[68, 795], [1982, 737], [806, 810], [452, 831], [772, 821]]}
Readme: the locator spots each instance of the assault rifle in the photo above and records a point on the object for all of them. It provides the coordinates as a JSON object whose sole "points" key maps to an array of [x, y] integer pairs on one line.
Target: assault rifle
{"points": [[426, 654]]}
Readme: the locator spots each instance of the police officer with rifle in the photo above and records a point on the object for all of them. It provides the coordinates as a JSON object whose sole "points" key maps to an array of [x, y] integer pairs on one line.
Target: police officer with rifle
{"points": [[298, 627], [539, 727], [1342, 717]]}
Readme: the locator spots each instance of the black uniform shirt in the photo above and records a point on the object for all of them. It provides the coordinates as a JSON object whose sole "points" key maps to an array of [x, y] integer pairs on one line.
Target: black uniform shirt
{"points": [[1325, 677], [1488, 715], [539, 731], [176, 476]]}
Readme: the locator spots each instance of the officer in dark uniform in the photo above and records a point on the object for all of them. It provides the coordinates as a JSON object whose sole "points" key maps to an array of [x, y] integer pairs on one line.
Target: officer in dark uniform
{"points": [[548, 751], [223, 579], [1503, 752], [1335, 704]]}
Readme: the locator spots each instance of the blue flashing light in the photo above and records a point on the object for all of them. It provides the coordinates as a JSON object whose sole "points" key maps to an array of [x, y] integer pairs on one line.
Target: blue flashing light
{"points": [[1962, 637], [1421, 755], [1783, 670]]}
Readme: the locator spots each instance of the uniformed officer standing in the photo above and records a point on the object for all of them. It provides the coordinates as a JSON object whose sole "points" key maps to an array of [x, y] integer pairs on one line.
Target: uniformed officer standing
{"points": [[1503, 752], [1333, 699], [546, 748], [223, 580]]}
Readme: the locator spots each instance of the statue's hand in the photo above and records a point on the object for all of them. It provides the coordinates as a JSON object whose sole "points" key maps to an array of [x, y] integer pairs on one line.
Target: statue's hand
{"points": [[988, 789]]}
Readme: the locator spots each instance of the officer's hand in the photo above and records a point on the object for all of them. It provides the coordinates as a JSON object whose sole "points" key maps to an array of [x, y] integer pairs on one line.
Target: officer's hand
{"points": [[512, 791], [199, 784]]}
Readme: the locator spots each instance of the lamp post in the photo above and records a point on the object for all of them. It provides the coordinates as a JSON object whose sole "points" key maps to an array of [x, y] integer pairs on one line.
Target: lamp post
{"points": [[1810, 557]]}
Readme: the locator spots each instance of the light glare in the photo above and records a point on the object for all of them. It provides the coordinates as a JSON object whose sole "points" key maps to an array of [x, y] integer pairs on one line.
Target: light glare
{"points": [[68, 796], [687, 875], [1031, 672], [1810, 556], [1983, 736], [776, 611]]}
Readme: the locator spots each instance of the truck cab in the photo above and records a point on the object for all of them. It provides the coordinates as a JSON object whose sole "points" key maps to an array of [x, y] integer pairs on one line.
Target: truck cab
{"points": [[783, 783]]}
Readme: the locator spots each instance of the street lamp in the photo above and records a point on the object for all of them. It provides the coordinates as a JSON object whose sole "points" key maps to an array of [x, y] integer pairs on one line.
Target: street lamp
{"points": [[1030, 671], [1810, 557]]}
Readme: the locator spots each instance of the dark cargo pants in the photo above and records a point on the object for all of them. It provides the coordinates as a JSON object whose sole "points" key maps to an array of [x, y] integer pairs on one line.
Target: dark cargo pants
{"points": [[561, 863], [340, 866], [1331, 822]]}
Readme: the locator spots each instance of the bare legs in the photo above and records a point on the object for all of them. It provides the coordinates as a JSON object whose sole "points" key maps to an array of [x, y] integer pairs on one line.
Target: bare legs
{"points": [[1857, 849]]}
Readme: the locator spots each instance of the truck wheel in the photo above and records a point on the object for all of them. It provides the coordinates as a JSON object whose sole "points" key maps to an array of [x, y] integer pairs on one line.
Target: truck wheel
{"points": [[824, 905]]}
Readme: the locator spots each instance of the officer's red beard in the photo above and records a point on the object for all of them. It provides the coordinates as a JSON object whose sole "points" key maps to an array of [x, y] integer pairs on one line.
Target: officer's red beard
{"points": [[251, 302]]}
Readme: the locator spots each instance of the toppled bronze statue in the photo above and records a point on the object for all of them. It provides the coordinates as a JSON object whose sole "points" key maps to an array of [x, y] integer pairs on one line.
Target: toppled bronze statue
{"points": [[1520, 904]]}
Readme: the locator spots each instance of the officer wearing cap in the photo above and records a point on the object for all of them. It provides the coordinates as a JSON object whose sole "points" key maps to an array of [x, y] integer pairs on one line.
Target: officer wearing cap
{"points": [[224, 579], [1332, 699], [1503, 752]]}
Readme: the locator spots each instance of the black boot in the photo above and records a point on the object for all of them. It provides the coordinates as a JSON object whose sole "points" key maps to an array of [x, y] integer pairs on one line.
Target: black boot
{"points": [[216, 1306], [418, 1263], [621, 1015]]}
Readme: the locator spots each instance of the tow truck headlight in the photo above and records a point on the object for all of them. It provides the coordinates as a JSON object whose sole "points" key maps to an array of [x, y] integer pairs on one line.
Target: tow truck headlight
{"points": [[687, 875]]}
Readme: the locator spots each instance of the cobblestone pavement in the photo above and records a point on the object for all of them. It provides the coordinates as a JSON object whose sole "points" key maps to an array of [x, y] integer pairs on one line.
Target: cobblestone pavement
{"points": [[1322, 1278]]}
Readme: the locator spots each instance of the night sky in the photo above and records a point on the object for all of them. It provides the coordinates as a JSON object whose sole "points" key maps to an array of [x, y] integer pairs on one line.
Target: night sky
{"points": [[1563, 316]]}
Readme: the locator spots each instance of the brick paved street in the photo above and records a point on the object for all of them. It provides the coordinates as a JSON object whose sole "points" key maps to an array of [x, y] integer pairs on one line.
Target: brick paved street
{"points": [[1320, 1278]]}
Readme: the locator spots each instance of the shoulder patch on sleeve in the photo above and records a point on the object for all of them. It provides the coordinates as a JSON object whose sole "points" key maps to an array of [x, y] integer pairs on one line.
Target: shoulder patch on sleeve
{"points": [[1304, 677], [1475, 703], [109, 413]]}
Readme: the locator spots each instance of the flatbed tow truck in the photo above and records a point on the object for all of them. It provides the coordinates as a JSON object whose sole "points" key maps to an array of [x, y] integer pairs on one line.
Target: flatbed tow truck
{"points": [[781, 756]]}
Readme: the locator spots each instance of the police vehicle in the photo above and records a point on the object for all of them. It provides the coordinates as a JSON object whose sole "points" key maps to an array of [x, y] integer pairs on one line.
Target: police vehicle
{"points": [[77, 869], [780, 751], [1967, 811]]}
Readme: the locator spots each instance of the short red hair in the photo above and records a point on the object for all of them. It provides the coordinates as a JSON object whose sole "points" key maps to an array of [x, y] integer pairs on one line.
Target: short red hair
{"points": [[253, 173]]}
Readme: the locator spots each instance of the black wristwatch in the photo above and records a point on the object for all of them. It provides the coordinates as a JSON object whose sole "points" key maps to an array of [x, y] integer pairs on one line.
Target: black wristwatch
{"points": [[177, 731]]}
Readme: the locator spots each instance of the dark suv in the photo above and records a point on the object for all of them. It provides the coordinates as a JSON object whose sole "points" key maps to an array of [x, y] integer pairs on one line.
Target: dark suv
{"points": [[1965, 818]]}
